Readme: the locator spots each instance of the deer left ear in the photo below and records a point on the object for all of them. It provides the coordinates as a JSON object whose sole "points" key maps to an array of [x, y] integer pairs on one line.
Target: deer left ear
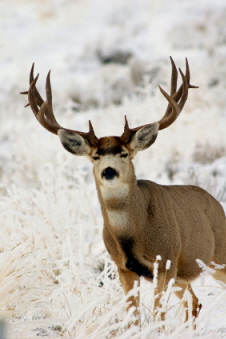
{"points": [[144, 137]]}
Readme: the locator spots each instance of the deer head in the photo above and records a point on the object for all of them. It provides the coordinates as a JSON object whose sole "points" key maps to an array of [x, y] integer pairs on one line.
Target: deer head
{"points": [[111, 156]]}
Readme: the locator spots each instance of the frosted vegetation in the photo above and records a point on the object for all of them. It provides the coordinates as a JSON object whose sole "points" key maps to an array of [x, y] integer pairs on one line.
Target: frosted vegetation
{"points": [[107, 60]]}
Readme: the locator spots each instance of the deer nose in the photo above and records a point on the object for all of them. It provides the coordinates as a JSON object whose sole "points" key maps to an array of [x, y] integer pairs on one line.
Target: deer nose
{"points": [[109, 173]]}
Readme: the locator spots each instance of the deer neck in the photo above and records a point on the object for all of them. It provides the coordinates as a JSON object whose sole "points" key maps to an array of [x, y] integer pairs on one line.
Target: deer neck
{"points": [[117, 203]]}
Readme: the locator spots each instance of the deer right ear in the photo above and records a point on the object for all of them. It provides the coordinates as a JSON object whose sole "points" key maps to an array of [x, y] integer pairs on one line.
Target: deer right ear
{"points": [[144, 137], [74, 143]]}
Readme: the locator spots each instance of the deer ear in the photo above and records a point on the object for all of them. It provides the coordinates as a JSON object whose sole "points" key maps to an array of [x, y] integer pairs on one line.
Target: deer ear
{"points": [[74, 143], [144, 137]]}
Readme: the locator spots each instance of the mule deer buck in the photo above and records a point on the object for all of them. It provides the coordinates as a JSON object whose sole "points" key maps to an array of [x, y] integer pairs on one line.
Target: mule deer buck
{"points": [[143, 219]]}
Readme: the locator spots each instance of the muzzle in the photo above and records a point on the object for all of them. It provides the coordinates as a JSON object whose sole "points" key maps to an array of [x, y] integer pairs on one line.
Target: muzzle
{"points": [[109, 173]]}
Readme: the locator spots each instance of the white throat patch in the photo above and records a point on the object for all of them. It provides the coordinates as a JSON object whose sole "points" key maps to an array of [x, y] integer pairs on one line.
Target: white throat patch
{"points": [[120, 191], [118, 219]]}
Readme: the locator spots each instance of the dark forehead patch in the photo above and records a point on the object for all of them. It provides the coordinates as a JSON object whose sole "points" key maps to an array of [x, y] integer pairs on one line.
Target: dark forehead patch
{"points": [[109, 145], [112, 150]]}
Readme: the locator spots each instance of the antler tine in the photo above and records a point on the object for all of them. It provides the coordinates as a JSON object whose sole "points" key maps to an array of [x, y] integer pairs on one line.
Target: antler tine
{"points": [[36, 94], [184, 95], [49, 112], [31, 99], [48, 89], [174, 77]]}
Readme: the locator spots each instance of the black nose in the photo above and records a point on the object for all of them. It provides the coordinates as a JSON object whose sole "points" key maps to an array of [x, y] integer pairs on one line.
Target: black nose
{"points": [[109, 173]]}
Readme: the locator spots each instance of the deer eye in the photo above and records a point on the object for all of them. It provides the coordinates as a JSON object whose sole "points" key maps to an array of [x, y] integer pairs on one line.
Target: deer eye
{"points": [[96, 158], [124, 155]]}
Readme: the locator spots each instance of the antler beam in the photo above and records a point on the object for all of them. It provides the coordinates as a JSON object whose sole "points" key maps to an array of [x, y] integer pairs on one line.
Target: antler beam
{"points": [[43, 110], [176, 101]]}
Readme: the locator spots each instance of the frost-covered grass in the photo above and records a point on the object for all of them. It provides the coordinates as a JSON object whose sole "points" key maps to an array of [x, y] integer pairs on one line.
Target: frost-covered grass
{"points": [[56, 278]]}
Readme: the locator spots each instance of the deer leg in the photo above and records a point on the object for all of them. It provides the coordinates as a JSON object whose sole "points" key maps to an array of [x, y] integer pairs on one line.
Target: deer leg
{"points": [[162, 283], [128, 279], [196, 307], [157, 295]]}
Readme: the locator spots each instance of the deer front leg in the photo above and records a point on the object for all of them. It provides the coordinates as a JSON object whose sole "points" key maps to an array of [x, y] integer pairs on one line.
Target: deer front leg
{"points": [[163, 280], [196, 306], [128, 279], [160, 288]]}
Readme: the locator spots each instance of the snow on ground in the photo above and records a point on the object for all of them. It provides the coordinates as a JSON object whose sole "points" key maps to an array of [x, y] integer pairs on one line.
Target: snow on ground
{"points": [[107, 60]]}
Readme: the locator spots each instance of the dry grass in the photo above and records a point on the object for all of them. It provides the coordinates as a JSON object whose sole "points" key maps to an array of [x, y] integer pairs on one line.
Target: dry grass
{"points": [[56, 278]]}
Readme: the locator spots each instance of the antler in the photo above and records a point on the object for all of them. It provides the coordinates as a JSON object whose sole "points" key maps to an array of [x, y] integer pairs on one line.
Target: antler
{"points": [[43, 110], [176, 101]]}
